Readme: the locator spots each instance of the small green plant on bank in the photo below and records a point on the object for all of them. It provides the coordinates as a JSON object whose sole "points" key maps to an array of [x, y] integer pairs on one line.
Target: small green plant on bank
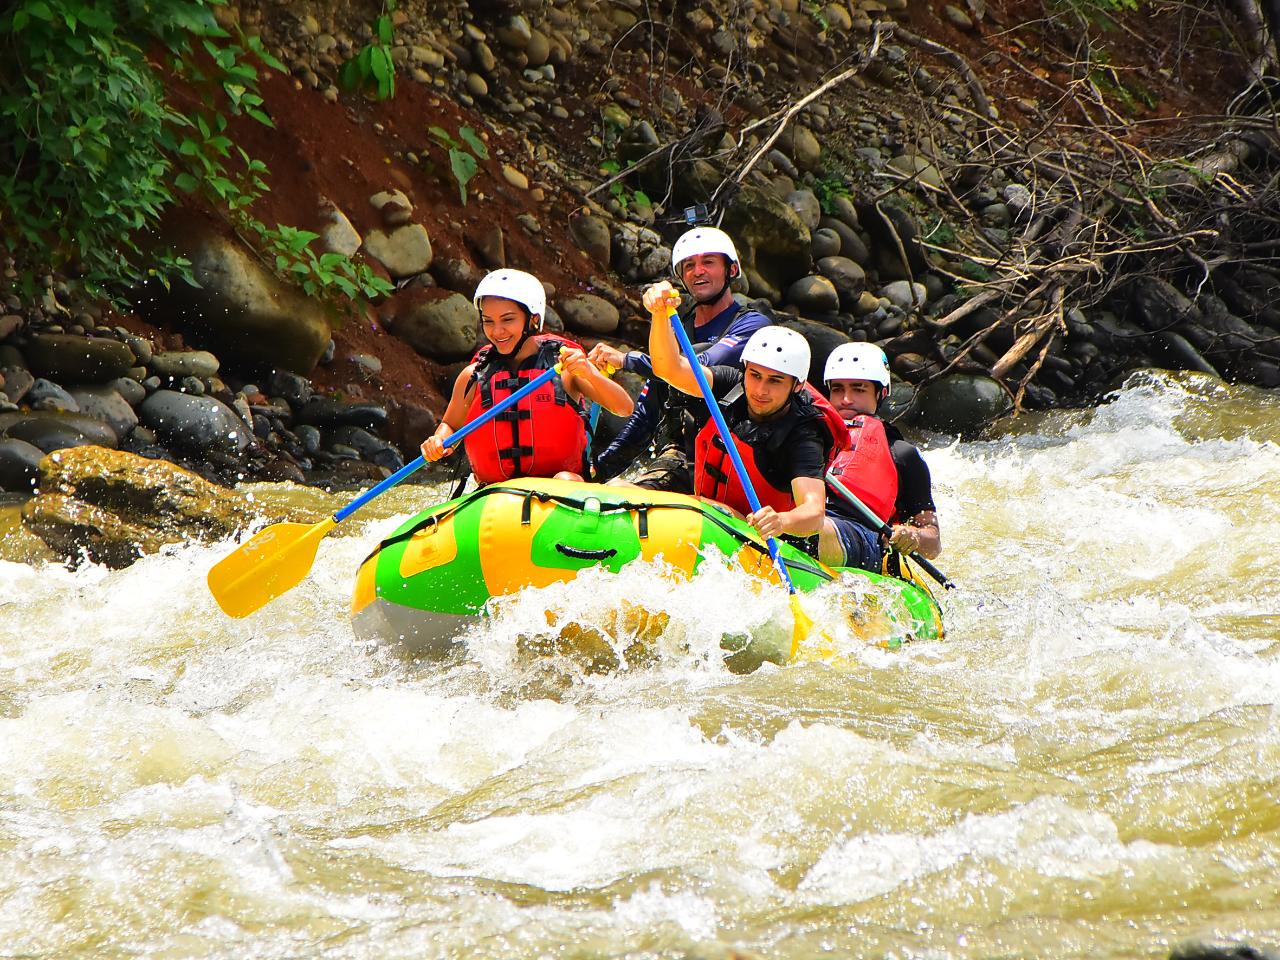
{"points": [[93, 151], [620, 191], [827, 188], [372, 68], [1097, 13], [973, 271], [1110, 82], [614, 122], [317, 273], [463, 153], [941, 234], [817, 14]]}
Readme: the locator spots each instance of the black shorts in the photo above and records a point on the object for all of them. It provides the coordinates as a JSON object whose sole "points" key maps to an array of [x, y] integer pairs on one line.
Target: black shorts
{"points": [[861, 545]]}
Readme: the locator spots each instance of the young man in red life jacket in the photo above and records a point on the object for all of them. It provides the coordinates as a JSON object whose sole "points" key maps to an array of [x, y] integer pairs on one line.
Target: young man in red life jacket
{"points": [[883, 470], [785, 431], [545, 434]]}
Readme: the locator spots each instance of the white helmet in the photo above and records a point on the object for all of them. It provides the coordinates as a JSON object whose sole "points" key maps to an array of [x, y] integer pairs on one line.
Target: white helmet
{"points": [[524, 288], [702, 240], [857, 361], [778, 348]]}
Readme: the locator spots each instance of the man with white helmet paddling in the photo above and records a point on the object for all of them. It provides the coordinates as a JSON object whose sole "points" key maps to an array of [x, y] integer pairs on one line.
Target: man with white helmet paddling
{"points": [[785, 431], [881, 469], [545, 434], [705, 260]]}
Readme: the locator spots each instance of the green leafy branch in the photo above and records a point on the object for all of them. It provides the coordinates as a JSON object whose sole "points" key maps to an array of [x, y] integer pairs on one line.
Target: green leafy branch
{"points": [[372, 68], [620, 191], [817, 14], [317, 274], [826, 188], [463, 153], [93, 152]]}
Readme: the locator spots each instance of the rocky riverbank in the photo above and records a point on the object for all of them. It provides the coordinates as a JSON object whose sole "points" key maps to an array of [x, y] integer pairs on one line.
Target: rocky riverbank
{"points": [[925, 176]]}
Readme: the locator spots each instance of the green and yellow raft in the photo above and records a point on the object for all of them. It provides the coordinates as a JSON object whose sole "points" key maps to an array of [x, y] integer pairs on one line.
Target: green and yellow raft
{"points": [[437, 573]]}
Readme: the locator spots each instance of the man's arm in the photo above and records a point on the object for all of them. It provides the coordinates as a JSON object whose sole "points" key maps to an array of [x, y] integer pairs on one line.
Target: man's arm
{"points": [[920, 534], [635, 433], [803, 520], [664, 352], [806, 457], [727, 350]]}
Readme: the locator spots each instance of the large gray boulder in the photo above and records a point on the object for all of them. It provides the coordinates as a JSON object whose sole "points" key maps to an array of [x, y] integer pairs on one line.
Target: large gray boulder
{"points": [[17, 382], [437, 323], [846, 276], [185, 363], [588, 313], [245, 310], [771, 239], [593, 237], [194, 423], [814, 295], [67, 358], [55, 431], [802, 147], [806, 206], [405, 251], [105, 403], [962, 403], [19, 465], [826, 243]]}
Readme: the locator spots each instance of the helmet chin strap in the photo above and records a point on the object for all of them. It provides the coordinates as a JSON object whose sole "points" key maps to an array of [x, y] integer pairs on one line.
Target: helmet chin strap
{"points": [[715, 298], [730, 276]]}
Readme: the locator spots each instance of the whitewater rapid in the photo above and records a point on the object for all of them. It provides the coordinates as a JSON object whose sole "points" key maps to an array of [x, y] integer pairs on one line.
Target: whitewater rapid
{"points": [[1085, 767]]}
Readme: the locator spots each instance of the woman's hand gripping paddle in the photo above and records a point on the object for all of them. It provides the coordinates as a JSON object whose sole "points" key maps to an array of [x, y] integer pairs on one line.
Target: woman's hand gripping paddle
{"points": [[802, 623], [883, 528], [276, 558]]}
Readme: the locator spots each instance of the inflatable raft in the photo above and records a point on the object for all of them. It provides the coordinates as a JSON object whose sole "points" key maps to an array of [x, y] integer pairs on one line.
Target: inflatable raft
{"points": [[436, 574]]}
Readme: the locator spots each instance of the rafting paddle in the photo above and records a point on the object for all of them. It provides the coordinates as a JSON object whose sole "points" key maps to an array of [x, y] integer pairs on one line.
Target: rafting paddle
{"points": [[883, 528], [277, 557], [802, 623]]}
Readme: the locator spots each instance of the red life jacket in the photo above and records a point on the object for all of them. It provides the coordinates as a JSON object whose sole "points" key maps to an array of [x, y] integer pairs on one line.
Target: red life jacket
{"points": [[541, 435], [760, 445], [868, 469]]}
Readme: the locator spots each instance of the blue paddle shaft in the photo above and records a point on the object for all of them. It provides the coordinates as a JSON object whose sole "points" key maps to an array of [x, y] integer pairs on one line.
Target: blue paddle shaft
{"points": [[726, 438], [449, 441]]}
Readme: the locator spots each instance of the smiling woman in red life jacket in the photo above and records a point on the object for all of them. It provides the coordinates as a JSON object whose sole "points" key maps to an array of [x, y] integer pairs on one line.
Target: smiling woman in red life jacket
{"points": [[783, 429], [881, 468], [545, 434]]}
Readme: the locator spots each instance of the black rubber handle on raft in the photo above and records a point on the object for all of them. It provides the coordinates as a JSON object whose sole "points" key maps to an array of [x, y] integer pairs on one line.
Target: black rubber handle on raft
{"points": [[883, 528]]}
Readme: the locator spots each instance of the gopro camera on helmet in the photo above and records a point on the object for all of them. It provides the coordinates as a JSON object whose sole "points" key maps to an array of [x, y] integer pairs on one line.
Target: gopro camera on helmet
{"points": [[696, 214]]}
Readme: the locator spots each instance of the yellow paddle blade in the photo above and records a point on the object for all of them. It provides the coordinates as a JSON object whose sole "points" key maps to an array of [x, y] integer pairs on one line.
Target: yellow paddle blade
{"points": [[273, 561], [801, 625]]}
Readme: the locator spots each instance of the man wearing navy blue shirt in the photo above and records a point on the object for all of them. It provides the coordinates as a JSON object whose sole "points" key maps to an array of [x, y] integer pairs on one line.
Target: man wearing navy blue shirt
{"points": [[705, 260]]}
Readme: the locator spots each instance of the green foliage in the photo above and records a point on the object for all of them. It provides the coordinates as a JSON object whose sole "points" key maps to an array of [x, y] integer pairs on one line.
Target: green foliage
{"points": [[941, 233], [463, 151], [1098, 13], [974, 271], [92, 151], [826, 188], [620, 191], [816, 11], [372, 68], [82, 119], [317, 274]]}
